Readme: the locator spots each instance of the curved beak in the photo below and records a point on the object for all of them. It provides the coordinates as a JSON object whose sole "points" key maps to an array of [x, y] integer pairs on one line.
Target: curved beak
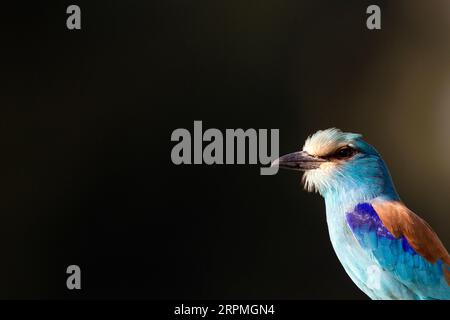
{"points": [[299, 161]]}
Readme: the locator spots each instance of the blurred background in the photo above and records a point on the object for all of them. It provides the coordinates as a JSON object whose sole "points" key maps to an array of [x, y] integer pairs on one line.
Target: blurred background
{"points": [[86, 118]]}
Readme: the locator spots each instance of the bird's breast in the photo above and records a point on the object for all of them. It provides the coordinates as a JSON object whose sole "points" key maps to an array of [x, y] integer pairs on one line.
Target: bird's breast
{"points": [[366, 274]]}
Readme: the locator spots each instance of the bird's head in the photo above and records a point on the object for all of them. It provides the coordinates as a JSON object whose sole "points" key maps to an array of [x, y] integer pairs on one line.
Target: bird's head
{"points": [[340, 162]]}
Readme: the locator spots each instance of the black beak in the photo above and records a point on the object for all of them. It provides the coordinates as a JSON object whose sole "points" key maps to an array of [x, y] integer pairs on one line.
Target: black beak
{"points": [[299, 161]]}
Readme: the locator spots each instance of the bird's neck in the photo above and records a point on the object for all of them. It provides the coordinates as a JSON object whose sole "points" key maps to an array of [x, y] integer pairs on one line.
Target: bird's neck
{"points": [[345, 199], [345, 196], [364, 182]]}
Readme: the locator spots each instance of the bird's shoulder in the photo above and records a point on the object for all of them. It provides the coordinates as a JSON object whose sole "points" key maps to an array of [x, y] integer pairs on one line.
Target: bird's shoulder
{"points": [[402, 222], [397, 237]]}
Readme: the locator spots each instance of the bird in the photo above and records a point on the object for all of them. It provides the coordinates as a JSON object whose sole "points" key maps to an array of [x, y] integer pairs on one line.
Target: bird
{"points": [[387, 250]]}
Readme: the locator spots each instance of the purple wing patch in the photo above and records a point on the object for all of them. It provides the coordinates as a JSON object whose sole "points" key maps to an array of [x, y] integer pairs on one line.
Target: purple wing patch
{"points": [[364, 219]]}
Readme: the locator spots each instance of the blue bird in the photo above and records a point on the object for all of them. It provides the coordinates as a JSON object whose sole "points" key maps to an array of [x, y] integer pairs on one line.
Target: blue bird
{"points": [[387, 250]]}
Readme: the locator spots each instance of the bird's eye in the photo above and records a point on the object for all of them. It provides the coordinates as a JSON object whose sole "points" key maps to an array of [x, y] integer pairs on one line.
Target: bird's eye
{"points": [[344, 152]]}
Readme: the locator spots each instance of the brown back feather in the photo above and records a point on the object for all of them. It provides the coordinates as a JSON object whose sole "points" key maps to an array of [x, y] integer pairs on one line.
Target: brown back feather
{"points": [[400, 221]]}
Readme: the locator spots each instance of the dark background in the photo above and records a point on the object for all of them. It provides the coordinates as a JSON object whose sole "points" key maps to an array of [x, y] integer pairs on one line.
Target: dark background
{"points": [[86, 118]]}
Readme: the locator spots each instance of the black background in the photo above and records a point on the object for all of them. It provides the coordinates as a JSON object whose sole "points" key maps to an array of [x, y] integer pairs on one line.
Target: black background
{"points": [[86, 119]]}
